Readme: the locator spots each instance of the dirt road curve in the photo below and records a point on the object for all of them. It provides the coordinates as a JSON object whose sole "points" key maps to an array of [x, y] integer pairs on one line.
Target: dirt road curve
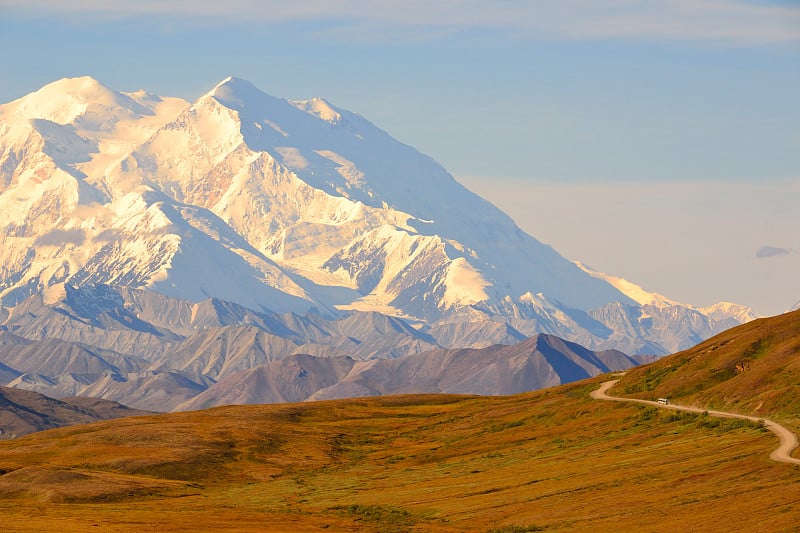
{"points": [[782, 454]]}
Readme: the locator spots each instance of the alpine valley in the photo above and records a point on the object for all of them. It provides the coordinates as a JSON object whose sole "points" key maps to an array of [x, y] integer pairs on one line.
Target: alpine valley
{"points": [[247, 248]]}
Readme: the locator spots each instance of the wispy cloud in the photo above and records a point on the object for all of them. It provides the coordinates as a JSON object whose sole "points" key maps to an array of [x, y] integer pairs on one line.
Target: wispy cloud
{"points": [[59, 237], [718, 21], [109, 235], [771, 251]]}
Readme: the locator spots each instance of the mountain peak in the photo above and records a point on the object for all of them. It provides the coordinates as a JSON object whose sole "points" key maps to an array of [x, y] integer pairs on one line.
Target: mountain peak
{"points": [[542, 341], [82, 85], [83, 102], [237, 92], [725, 310], [234, 82], [62, 101], [84, 89], [234, 92]]}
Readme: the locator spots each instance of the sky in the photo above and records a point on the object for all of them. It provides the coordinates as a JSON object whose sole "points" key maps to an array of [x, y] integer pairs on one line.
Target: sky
{"points": [[657, 140]]}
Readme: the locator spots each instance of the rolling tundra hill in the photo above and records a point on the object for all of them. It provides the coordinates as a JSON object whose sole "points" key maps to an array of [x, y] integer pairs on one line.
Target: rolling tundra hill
{"points": [[549, 460], [553, 459], [752, 369]]}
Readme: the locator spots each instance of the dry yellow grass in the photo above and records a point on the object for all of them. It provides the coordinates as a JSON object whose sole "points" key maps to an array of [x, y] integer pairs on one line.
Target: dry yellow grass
{"points": [[553, 460]]}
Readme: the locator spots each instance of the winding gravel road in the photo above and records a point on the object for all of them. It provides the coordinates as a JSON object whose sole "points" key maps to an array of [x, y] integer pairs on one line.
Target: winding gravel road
{"points": [[782, 454]]}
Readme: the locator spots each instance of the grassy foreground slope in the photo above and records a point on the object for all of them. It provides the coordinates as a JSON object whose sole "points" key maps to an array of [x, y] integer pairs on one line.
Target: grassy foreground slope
{"points": [[752, 369], [549, 460]]}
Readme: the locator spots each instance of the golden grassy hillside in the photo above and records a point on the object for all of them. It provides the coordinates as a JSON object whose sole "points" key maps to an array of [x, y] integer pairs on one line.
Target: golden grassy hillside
{"points": [[552, 460], [752, 369]]}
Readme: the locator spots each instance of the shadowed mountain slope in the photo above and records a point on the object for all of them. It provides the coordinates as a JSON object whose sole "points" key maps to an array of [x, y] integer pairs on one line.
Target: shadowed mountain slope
{"points": [[535, 363], [23, 412]]}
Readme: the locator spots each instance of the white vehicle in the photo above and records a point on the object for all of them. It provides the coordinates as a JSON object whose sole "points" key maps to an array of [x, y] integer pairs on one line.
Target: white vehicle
{"points": [[663, 401]]}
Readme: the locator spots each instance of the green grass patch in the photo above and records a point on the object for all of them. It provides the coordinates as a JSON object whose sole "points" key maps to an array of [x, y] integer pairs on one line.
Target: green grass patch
{"points": [[729, 424], [386, 518], [516, 529], [496, 428], [653, 377]]}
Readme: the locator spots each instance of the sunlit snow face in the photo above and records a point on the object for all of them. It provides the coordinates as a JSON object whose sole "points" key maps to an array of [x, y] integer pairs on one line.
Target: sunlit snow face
{"points": [[315, 207]]}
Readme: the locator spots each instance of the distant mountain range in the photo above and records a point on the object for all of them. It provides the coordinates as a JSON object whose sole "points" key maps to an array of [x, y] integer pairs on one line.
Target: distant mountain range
{"points": [[539, 362], [272, 227], [155, 352]]}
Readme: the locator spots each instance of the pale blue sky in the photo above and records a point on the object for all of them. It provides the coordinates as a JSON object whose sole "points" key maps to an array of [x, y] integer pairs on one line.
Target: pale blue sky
{"points": [[515, 96]]}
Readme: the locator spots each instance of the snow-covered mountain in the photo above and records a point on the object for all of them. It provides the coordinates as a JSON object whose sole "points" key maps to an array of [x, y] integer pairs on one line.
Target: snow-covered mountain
{"points": [[288, 206], [72, 211], [287, 198], [722, 311]]}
